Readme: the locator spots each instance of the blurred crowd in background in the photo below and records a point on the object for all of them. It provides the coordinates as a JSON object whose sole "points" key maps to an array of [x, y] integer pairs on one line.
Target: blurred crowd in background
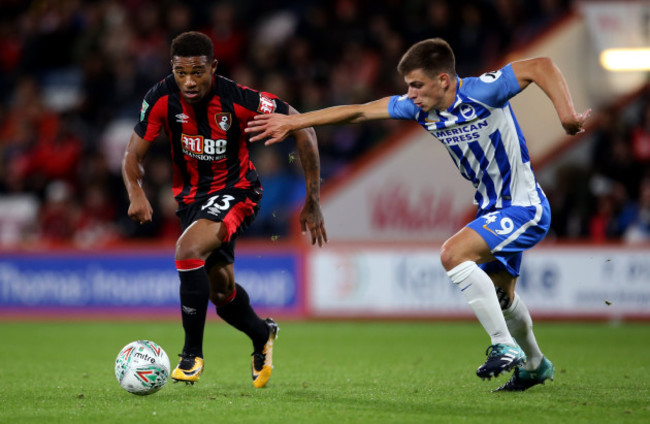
{"points": [[73, 74], [606, 196]]}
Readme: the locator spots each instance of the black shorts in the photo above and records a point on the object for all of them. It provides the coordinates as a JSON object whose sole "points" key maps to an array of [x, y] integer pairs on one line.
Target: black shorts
{"points": [[235, 208]]}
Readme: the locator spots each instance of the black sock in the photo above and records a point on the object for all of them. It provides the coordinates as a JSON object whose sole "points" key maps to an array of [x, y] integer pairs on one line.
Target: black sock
{"points": [[195, 295], [239, 314]]}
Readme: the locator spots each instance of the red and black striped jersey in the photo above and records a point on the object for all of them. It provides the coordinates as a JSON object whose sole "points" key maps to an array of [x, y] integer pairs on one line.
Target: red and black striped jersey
{"points": [[209, 148]]}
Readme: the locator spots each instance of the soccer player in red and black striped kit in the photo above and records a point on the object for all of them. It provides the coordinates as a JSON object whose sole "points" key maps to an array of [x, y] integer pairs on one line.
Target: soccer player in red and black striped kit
{"points": [[217, 189]]}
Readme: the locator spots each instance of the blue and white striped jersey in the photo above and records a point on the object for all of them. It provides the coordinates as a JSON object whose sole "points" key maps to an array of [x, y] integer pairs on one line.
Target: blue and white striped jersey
{"points": [[483, 138]]}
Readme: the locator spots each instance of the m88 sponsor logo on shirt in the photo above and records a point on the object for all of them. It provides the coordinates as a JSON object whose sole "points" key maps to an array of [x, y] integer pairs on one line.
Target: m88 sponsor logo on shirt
{"points": [[200, 147]]}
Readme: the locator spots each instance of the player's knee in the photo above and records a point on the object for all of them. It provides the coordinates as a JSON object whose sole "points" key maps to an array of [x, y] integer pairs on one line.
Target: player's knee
{"points": [[188, 250], [448, 257]]}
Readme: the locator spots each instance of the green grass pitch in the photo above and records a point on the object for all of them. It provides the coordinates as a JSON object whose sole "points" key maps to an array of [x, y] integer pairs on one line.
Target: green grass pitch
{"points": [[325, 372]]}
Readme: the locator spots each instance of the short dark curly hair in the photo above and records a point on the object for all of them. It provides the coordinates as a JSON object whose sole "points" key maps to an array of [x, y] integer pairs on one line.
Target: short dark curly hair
{"points": [[192, 43]]}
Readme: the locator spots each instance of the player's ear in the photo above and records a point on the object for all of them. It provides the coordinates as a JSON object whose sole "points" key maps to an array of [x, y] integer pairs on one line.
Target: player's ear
{"points": [[443, 80], [214, 65]]}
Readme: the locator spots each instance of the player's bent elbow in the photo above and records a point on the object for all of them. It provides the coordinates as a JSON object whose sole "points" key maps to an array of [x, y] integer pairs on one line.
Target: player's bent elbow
{"points": [[542, 65]]}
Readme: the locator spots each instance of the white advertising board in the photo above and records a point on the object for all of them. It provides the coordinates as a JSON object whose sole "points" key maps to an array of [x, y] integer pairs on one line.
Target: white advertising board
{"points": [[371, 282], [408, 282]]}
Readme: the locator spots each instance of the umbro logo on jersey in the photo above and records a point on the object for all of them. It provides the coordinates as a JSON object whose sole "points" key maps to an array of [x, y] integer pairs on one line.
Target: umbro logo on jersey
{"points": [[182, 118]]}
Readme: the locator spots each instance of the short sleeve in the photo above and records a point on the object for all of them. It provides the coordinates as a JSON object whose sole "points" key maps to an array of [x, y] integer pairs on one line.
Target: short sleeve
{"points": [[494, 88], [401, 107], [152, 114], [250, 102]]}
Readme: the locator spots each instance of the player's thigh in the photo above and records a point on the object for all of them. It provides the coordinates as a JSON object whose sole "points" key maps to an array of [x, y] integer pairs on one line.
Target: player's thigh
{"points": [[199, 239], [216, 221], [235, 208], [510, 231], [465, 245]]}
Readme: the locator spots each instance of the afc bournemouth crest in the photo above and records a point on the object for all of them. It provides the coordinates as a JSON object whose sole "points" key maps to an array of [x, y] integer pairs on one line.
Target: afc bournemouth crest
{"points": [[223, 120]]}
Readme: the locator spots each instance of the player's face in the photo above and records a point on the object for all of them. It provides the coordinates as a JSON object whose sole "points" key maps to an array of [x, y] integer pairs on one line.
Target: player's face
{"points": [[426, 92], [193, 76]]}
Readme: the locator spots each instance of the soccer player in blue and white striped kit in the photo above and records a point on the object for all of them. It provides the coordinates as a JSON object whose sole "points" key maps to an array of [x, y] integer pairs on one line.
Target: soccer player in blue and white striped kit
{"points": [[473, 119]]}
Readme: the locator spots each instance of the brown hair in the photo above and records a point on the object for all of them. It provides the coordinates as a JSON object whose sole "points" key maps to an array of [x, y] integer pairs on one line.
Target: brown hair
{"points": [[433, 56]]}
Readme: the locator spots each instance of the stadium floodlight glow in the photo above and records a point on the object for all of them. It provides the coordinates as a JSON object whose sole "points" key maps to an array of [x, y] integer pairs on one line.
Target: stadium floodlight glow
{"points": [[626, 59]]}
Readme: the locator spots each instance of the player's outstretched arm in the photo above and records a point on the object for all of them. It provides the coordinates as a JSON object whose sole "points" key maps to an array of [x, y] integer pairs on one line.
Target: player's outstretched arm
{"points": [[311, 216], [276, 127], [140, 209], [543, 72]]}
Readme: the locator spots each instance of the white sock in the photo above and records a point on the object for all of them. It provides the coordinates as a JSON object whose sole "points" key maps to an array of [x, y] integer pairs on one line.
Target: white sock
{"points": [[478, 289], [520, 325]]}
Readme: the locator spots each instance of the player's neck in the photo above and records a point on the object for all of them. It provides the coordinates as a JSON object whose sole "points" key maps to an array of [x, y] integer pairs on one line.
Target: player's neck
{"points": [[448, 99], [450, 95]]}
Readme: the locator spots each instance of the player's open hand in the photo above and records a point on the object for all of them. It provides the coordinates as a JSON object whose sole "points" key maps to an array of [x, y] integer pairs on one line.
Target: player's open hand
{"points": [[575, 124], [311, 217], [274, 127], [140, 210]]}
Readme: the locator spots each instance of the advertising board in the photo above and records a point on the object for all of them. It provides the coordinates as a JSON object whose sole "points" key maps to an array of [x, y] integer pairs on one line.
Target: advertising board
{"points": [[132, 280]]}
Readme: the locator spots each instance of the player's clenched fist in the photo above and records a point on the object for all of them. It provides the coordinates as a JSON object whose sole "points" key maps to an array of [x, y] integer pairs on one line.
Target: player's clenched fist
{"points": [[140, 210]]}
